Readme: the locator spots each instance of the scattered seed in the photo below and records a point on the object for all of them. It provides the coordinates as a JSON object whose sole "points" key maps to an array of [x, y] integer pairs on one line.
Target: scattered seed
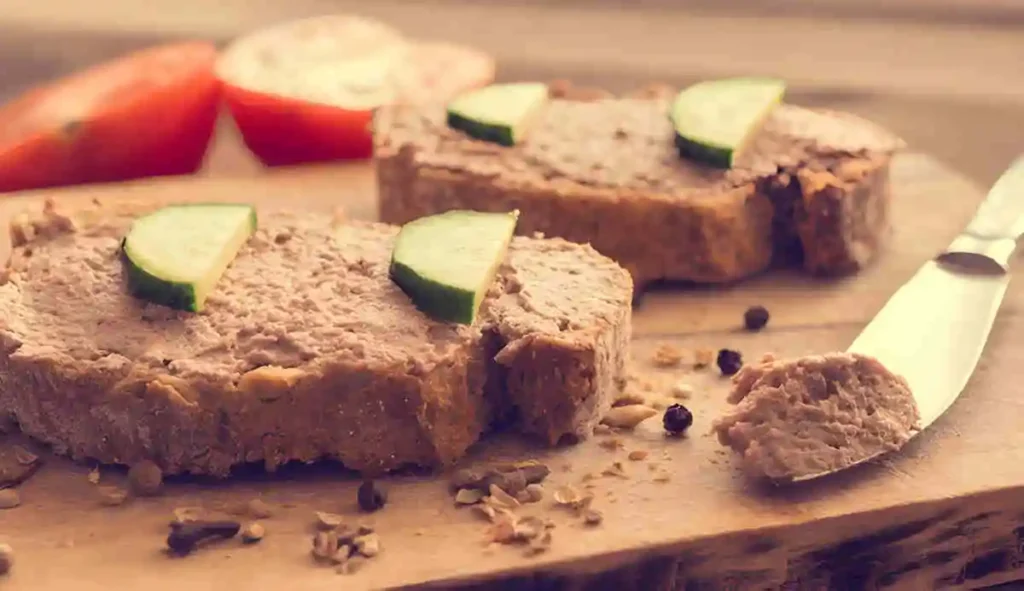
{"points": [[258, 509], [371, 496], [94, 476], [511, 478], [592, 517], [6, 559], [468, 496], [328, 521], [627, 398], [112, 496], [663, 477], [534, 493], [367, 545], [702, 358], [325, 546], [9, 498], [667, 356], [755, 318], [145, 478], [186, 537], [681, 391], [729, 361], [638, 455], [677, 419], [628, 417], [602, 429], [501, 497], [613, 444], [253, 532]]}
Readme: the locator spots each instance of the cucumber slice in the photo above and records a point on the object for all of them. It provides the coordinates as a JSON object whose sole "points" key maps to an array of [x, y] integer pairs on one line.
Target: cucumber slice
{"points": [[714, 120], [500, 113], [176, 255], [446, 263]]}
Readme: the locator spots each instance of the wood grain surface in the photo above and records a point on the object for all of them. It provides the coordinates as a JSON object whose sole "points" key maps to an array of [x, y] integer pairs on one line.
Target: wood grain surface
{"points": [[946, 513]]}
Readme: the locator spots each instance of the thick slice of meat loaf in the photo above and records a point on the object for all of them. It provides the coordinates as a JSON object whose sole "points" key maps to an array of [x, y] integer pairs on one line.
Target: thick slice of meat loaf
{"points": [[813, 187], [306, 349]]}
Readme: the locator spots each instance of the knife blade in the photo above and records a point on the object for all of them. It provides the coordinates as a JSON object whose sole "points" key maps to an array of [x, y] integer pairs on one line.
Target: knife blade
{"points": [[933, 330]]}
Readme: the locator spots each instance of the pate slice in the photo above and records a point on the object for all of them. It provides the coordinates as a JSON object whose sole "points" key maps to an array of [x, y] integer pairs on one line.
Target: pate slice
{"points": [[815, 414]]}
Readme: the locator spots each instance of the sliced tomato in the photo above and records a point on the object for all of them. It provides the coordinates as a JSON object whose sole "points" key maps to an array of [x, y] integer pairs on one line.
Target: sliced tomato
{"points": [[305, 91], [149, 113]]}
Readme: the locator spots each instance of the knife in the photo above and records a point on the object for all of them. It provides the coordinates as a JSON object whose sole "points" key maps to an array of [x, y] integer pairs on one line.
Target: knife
{"points": [[933, 329]]}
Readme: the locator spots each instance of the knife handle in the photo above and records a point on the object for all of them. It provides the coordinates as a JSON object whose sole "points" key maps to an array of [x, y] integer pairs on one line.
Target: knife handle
{"points": [[990, 239]]}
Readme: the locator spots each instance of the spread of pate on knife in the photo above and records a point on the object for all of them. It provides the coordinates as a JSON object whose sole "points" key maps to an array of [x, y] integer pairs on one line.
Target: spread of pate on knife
{"points": [[809, 417]]}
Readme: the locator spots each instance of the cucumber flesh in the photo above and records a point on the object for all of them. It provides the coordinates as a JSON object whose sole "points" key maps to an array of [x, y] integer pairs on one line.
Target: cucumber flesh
{"points": [[715, 119], [500, 113], [446, 263], [175, 256]]}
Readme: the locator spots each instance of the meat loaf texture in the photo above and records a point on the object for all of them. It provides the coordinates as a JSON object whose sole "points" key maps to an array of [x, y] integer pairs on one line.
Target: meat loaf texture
{"points": [[816, 414], [306, 349], [813, 188]]}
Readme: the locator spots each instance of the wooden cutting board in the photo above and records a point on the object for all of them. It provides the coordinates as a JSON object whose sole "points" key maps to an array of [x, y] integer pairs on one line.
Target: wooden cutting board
{"points": [[947, 512]]}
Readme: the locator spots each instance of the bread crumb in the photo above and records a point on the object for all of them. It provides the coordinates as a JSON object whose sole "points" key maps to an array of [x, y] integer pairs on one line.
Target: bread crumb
{"points": [[638, 455], [328, 521], [368, 545], [112, 496], [703, 358], [6, 559], [602, 429], [612, 444], [9, 498], [468, 496], [253, 532], [662, 477], [592, 517], [667, 355], [94, 476]]}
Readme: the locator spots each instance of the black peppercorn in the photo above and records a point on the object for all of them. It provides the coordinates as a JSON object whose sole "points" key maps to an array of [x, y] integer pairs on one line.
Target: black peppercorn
{"points": [[371, 497], [755, 318], [729, 361], [677, 419]]}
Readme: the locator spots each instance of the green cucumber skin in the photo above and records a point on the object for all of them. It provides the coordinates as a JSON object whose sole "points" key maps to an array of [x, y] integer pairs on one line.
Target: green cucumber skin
{"points": [[495, 134], [175, 295], [711, 155], [435, 300], [143, 285]]}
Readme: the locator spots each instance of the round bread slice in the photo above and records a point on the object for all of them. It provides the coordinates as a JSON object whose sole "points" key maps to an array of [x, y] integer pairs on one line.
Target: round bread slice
{"points": [[813, 187], [305, 349], [816, 414]]}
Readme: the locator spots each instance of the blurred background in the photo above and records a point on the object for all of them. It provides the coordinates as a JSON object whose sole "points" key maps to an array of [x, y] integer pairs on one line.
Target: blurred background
{"points": [[948, 75]]}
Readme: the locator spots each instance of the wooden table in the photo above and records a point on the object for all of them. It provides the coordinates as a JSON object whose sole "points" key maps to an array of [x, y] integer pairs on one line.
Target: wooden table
{"points": [[947, 512]]}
